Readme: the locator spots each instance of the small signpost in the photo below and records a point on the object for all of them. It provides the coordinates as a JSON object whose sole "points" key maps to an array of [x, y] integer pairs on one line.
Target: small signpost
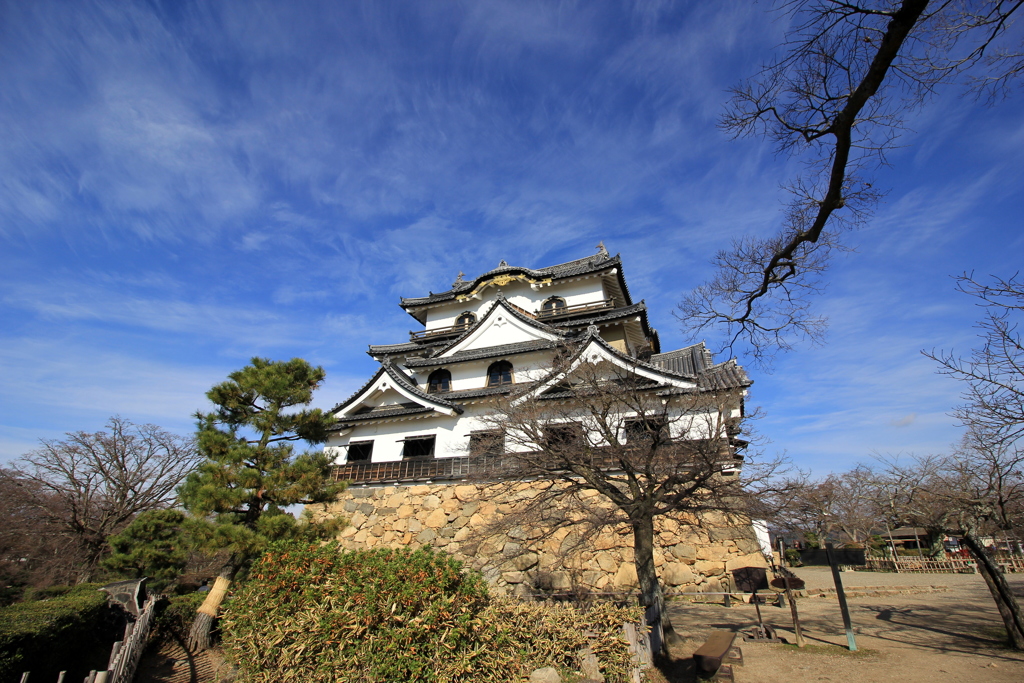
{"points": [[750, 580]]}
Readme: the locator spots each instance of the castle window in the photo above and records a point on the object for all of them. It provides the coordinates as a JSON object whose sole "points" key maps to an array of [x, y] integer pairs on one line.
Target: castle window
{"points": [[465, 320], [645, 431], [439, 381], [486, 443], [499, 373], [418, 447], [566, 436], [360, 451], [553, 305]]}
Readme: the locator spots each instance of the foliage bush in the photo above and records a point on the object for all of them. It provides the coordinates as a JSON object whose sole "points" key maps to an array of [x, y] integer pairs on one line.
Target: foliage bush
{"points": [[319, 614], [72, 630], [175, 614]]}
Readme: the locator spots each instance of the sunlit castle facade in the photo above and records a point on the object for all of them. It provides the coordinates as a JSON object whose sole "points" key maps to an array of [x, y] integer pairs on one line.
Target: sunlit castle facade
{"points": [[493, 335], [414, 443]]}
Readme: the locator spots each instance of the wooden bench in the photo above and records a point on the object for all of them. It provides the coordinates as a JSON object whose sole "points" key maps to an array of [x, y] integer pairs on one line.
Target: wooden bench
{"points": [[717, 655]]}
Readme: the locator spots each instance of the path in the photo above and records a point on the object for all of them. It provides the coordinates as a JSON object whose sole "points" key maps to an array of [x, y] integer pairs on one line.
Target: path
{"points": [[915, 637], [171, 662]]}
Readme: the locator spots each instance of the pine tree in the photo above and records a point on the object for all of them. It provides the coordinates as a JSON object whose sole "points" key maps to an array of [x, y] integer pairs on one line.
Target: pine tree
{"points": [[251, 473]]}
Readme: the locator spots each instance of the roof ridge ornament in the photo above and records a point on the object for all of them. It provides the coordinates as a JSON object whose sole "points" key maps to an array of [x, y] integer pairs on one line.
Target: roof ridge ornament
{"points": [[503, 264], [501, 295], [592, 330], [459, 280], [601, 250], [386, 362]]}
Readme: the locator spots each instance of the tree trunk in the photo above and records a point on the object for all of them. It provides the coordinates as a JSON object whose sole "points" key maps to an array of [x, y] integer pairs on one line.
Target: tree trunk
{"points": [[1001, 593], [199, 635], [651, 596]]}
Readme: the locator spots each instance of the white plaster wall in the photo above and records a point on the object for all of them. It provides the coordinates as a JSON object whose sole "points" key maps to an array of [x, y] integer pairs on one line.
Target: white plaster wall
{"points": [[451, 436], [590, 290], [526, 367]]}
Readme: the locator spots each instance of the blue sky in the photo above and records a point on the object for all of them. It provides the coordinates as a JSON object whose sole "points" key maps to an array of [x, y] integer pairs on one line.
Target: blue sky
{"points": [[184, 186]]}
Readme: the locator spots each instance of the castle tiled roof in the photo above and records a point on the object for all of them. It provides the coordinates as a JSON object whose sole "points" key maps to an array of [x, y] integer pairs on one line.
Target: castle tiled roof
{"points": [[407, 347], [581, 266], [399, 377], [689, 361], [396, 411], [488, 352]]}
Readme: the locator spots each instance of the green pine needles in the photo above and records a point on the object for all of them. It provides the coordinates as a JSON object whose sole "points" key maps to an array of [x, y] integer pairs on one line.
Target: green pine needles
{"points": [[251, 472]]}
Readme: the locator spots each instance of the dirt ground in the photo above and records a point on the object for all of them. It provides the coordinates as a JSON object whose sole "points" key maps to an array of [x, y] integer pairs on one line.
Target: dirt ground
{"points": [[911, 628]]}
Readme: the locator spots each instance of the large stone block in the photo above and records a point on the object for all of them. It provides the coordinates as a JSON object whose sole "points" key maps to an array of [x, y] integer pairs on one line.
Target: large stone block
{"points": [[626, 575], [684, 551], [676, 574], [466, 493], [436, 519]]}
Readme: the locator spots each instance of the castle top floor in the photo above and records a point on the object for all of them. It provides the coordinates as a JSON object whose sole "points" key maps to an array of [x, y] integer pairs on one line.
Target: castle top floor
{"points": [[584, 286]]}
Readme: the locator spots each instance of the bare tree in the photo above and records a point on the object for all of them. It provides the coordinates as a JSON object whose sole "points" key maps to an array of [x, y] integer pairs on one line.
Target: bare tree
{"points": [[993, 372], [976, 491], [91, 485], [597, 427], [33, 550], [851, 74], [839, 505]]}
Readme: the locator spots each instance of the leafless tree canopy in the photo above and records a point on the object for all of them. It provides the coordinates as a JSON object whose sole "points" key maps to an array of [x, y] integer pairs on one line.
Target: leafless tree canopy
{"points": [[89, 486], [993, 373], [646, 450], [840, 506], [838, 98]]}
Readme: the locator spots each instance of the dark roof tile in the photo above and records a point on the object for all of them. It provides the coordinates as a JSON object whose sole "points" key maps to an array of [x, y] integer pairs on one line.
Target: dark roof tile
{"points": [[562, 270], [479, 354]]}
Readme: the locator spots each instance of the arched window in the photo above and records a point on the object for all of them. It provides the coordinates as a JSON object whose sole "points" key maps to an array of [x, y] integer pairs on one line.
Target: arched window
{"points": [[553, 305], [499, 373], [465, 320], [439, 381]]}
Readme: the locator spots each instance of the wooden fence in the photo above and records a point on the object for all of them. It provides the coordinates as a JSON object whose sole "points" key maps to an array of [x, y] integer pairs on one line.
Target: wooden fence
{"points": [[124, 655], [1009, 565]]}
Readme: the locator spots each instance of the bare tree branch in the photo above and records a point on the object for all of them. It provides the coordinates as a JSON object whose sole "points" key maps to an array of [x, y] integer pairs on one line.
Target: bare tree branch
{"points": [[838, 97]]}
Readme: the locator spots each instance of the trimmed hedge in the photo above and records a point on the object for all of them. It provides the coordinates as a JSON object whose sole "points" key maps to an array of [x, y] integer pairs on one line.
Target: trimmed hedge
{"points": [[70, 631], [320, 614]]}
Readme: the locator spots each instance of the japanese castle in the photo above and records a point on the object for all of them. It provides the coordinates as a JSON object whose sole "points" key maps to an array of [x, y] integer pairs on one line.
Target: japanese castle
{"points": [[418, 418]]}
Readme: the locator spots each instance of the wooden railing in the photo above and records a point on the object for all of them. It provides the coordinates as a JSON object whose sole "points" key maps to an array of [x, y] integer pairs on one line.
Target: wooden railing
{"points": [[418, 469], [482, 467], [952, 565], [125, 653], [438, 332], [125, 656], [574, 310]]}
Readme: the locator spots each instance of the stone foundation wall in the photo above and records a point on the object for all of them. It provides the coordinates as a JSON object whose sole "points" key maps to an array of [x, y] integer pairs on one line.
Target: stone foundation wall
{"points": [[459, 519]]}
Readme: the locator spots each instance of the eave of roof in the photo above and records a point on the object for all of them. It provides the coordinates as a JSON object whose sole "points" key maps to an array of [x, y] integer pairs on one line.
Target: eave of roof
{"points": [[689, 360], [484, 353], [384, 415], [510, 308], [406, 347], [401, 378], [590, 264]]}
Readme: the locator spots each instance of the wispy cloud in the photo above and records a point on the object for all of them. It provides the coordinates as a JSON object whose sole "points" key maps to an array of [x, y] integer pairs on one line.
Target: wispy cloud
{"points": [[183, 185]]}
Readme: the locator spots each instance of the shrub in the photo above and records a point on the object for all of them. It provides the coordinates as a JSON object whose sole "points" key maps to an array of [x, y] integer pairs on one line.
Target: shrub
{"points": [[175, 614], [319, 614], [71, 631]]}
